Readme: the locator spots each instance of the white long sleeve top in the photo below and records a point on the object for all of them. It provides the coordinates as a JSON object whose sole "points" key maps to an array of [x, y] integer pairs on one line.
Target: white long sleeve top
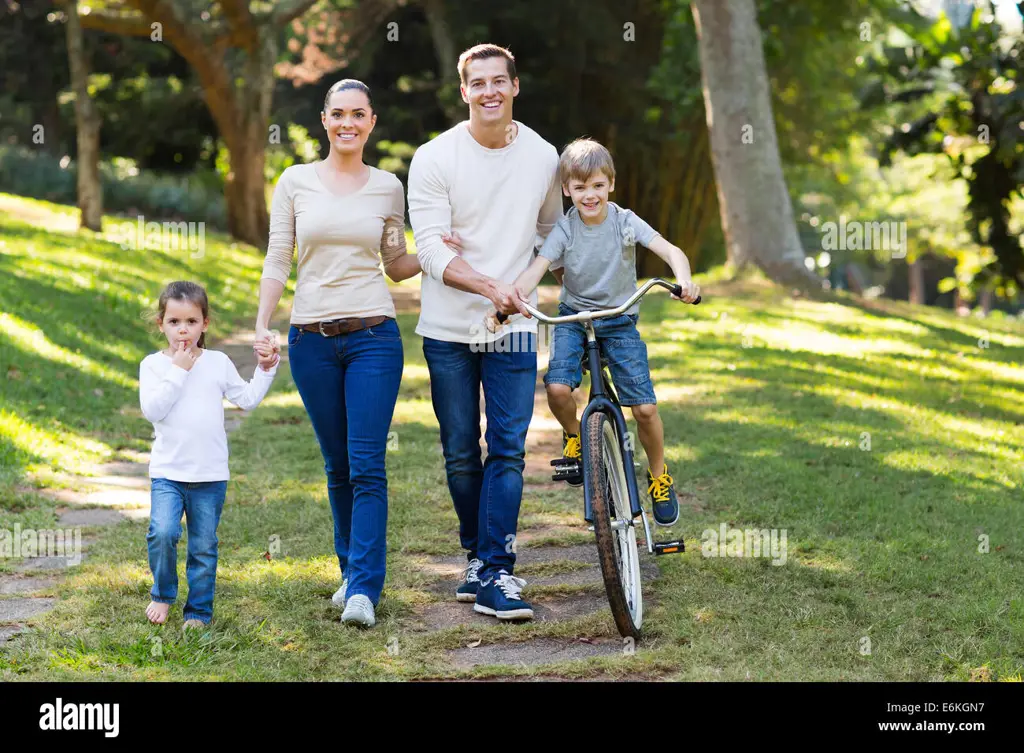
{"points": [[187, 411], [502, 203]]}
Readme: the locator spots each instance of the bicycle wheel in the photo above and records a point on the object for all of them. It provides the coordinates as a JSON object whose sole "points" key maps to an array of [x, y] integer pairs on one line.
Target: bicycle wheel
{"points": [[613, 526]]}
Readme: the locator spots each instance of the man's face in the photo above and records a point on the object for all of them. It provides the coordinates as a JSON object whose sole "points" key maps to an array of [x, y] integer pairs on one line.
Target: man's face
{"points": [[489, 91]]}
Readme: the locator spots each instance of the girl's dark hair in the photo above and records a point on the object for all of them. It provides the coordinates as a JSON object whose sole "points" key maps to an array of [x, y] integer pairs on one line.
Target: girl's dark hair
{"points": [[188, 292], [344, 85]]}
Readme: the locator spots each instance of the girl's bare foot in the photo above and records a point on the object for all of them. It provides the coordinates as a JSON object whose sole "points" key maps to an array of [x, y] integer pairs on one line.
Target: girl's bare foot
{"points": [[157, 612]]}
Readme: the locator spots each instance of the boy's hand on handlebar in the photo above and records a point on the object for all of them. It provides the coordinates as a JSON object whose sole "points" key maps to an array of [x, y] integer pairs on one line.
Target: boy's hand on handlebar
{"points": [[689, 293]]}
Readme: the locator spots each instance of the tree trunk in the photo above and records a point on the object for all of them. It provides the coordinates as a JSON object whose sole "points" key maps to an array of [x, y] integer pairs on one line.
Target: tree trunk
{"points": [[757, 216], [447, 61], [87, 126], [916, 273]]}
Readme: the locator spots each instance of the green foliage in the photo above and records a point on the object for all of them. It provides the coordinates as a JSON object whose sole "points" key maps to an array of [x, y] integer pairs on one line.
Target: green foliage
{"points": [[957, 92], [197, 197]]}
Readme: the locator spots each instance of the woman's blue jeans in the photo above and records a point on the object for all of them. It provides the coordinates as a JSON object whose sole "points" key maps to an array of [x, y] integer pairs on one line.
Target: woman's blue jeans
{"points": [[349, 386]]}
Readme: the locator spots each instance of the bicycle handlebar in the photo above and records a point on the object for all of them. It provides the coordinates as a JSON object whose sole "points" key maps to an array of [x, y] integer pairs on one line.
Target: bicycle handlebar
{"points": [[586, 316]]}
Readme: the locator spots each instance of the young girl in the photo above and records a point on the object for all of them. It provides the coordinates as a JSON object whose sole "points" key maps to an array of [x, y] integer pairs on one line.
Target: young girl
{"points": [[181, 389]]}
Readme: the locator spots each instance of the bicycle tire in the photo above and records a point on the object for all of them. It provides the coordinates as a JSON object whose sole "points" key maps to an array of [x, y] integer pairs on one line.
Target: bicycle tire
{"points": [[616, 548]]}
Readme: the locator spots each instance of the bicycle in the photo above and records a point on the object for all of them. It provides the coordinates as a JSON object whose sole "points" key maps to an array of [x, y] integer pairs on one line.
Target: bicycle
{"points": [[611, 502]]}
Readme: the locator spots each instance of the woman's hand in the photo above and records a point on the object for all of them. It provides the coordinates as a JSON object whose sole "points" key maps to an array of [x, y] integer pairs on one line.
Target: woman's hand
{"points": [[265, 337], [452, 241]]}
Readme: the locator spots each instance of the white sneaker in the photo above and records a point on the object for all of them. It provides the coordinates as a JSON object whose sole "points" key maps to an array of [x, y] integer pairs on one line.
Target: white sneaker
{"points": [[359, 610], [339, 595]]}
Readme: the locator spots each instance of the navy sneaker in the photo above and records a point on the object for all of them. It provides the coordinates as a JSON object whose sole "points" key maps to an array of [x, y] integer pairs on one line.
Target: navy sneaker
{"points": [[663, 498], [499, 597], [470, 582]]}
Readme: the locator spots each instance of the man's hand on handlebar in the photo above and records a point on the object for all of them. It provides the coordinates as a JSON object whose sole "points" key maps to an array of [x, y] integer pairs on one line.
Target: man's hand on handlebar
{"points": [[690, 291]]}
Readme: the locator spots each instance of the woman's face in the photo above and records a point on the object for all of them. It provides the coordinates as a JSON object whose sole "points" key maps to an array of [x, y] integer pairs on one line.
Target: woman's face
{"points": [[348, 121]]}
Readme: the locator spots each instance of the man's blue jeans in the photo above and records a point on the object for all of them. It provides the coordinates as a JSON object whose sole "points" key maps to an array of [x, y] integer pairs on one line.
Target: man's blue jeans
{"points": [[202, 502], [349, 385], [487, 495]]}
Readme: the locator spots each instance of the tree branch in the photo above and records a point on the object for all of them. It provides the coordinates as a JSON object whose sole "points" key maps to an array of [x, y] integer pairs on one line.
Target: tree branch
{"points": [[286, 12], [241, 23], [114, 23]]}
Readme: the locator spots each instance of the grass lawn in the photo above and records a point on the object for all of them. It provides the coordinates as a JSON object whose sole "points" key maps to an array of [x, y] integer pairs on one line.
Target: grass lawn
{"points": [[887, 440]]}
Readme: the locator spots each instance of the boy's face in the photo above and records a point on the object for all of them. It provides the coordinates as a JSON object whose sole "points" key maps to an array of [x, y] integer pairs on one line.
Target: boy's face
{"points": [[183, 322], [590, 196], [489, 91]]}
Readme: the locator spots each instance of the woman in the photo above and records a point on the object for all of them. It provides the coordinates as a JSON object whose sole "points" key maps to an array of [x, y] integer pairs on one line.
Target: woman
{"points": [[344, 346]]}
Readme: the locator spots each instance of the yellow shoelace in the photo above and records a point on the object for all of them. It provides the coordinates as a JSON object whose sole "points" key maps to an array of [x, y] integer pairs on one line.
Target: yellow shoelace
{"points": [[573, 448], [659, 486]]}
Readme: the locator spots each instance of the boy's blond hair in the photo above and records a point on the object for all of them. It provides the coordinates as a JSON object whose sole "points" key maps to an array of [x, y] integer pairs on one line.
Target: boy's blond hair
{"points": [[582, 158]]}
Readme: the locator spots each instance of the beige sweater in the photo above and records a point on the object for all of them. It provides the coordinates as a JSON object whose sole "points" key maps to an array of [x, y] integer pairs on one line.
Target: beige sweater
{"points": [[341, 242]]}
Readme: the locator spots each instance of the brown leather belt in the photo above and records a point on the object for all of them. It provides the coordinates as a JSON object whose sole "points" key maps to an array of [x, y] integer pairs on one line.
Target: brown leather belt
{"points": [[334, 327]]}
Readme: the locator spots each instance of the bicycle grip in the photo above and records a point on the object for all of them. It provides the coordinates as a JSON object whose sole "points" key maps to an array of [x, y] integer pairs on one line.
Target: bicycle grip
{"points": [[678, 291]]}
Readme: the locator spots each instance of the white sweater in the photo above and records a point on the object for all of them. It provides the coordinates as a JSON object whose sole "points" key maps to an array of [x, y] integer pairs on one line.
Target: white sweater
{"points": [[502, 203], [187, 412]]}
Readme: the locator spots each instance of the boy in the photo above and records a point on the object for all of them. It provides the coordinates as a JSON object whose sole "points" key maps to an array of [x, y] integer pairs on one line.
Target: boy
{"points": [[594, 244]]}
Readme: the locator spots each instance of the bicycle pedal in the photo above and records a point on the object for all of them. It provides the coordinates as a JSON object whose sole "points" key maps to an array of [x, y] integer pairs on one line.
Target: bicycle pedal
{"points": [[558, 462], [669, 547]]}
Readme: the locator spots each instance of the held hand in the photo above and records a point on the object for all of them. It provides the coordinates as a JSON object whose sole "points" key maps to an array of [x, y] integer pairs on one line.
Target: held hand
{"points": [[690, 291], [183, 358], [267, 359], [265, 337], [506, 299], [453, 241]]}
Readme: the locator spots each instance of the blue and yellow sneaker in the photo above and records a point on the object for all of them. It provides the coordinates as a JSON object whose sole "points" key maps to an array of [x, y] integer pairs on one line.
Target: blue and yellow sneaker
{"points": [[663, 498], [572, 450]]}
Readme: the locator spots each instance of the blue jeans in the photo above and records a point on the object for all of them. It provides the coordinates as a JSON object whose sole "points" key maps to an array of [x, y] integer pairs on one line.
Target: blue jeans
{"points": [[202, 502], [621, 347], [349, 385], [487, 495]]}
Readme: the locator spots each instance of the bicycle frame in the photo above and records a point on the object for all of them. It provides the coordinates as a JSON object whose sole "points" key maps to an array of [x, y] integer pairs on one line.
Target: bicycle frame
{"points": [[604, 400]]}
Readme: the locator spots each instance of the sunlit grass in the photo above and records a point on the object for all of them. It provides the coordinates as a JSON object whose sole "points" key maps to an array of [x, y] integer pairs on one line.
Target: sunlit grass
{"points": [[888, 440]]}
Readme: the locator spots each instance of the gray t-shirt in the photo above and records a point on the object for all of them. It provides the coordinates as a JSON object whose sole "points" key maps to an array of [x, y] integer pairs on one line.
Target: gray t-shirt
{"points": [[598, 261]]}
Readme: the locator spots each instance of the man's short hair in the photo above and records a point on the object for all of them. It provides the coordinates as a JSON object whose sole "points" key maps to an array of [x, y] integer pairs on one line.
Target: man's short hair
{"points": [[582, 158], [482, 52]]}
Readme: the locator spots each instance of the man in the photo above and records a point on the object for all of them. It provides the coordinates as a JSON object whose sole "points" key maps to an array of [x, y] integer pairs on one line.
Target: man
{"points": [[490, 187]]}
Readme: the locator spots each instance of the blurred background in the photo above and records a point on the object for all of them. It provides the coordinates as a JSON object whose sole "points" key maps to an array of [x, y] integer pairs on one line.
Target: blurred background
{"points": [[886, 111]]}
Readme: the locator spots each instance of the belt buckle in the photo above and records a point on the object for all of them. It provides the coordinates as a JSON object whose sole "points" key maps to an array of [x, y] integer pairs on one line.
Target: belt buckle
{"points": [[324, 334]]}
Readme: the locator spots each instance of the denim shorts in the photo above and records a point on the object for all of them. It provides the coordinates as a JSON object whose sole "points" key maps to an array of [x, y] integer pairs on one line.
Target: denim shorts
{"points": [[621, 347]]}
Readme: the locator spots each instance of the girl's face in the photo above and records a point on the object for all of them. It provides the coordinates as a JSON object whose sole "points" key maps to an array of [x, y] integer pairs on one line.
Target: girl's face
{"points": [[348, 121], [183, 322]]}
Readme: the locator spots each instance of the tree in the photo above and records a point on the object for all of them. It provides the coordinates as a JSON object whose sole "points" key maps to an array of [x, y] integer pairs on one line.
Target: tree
{"points": [[957, 91], [233, 52], [87, 122], [756, 213]]}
